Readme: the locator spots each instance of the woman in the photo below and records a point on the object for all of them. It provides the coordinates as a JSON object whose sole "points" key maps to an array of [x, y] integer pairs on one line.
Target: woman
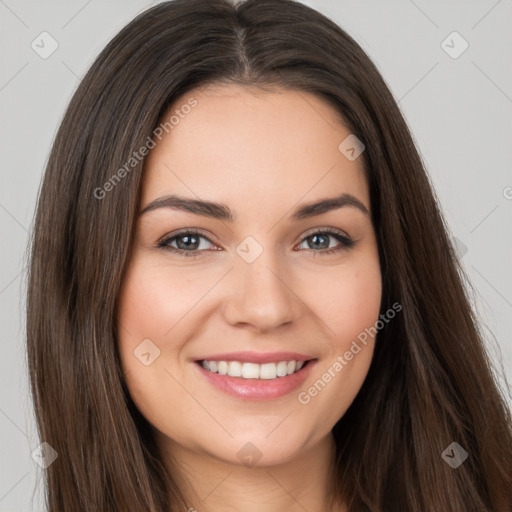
{"points": [[190, 345]]}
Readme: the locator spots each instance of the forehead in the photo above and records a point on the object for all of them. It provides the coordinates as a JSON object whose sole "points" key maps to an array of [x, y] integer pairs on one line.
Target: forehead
{"points": [[248, 145]]}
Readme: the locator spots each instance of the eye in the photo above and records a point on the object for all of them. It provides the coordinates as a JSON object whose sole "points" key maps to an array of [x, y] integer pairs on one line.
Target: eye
{"points": [[320, 240], [188, 243]]}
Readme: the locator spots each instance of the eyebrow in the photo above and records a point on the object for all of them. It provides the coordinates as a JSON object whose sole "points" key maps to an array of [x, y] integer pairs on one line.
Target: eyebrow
{"points": [[222, 212]]}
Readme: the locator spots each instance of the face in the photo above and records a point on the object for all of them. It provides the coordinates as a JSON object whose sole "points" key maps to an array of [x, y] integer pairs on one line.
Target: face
{"points": [[257, 290]]}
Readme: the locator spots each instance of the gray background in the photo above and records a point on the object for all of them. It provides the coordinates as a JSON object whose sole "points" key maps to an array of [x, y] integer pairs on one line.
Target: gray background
{"points": [[459, 110]]}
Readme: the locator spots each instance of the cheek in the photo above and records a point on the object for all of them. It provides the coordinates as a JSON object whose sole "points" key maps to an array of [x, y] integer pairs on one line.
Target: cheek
{"points": [[154, 303], [349, 306], [149, 307], [147, 310], [349, 302]]}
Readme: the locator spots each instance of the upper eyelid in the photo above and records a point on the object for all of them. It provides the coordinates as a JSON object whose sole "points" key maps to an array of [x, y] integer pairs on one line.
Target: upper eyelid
{"points": [[183, 232], [328, 230]]}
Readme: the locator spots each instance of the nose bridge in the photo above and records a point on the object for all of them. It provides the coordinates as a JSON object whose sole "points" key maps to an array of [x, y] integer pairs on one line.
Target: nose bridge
{"points": [[261, 297]]}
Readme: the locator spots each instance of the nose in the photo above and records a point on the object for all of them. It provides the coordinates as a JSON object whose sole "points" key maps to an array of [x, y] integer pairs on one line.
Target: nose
{"points": [[261, 294]]}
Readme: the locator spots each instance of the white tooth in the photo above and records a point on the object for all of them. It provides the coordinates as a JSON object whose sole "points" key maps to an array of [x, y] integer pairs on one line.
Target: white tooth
{"points": [[222, 367], [251, 371], [235, 369], [282, 369], [268, 371]]}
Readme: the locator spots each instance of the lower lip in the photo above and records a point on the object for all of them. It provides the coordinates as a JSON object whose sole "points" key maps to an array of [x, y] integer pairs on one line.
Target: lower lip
{"points": [[258, 389]]}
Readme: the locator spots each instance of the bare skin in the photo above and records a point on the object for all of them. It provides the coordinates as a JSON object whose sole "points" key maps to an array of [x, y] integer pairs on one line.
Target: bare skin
{"points": [[262, 154]]}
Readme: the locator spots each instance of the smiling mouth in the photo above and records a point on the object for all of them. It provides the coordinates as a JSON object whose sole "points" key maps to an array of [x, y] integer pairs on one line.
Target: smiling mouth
{"points": [[254, 371]]}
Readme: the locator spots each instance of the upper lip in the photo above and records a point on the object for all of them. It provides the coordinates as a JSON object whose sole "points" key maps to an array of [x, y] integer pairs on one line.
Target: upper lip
{"points": [[257, 357]]}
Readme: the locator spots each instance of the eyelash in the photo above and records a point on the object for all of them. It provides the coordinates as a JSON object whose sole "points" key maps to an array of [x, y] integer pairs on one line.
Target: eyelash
{"points": [[345, 242]]}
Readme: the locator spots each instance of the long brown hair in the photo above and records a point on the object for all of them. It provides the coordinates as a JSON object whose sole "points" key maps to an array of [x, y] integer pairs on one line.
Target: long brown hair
{"points": [[431, 381]]}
